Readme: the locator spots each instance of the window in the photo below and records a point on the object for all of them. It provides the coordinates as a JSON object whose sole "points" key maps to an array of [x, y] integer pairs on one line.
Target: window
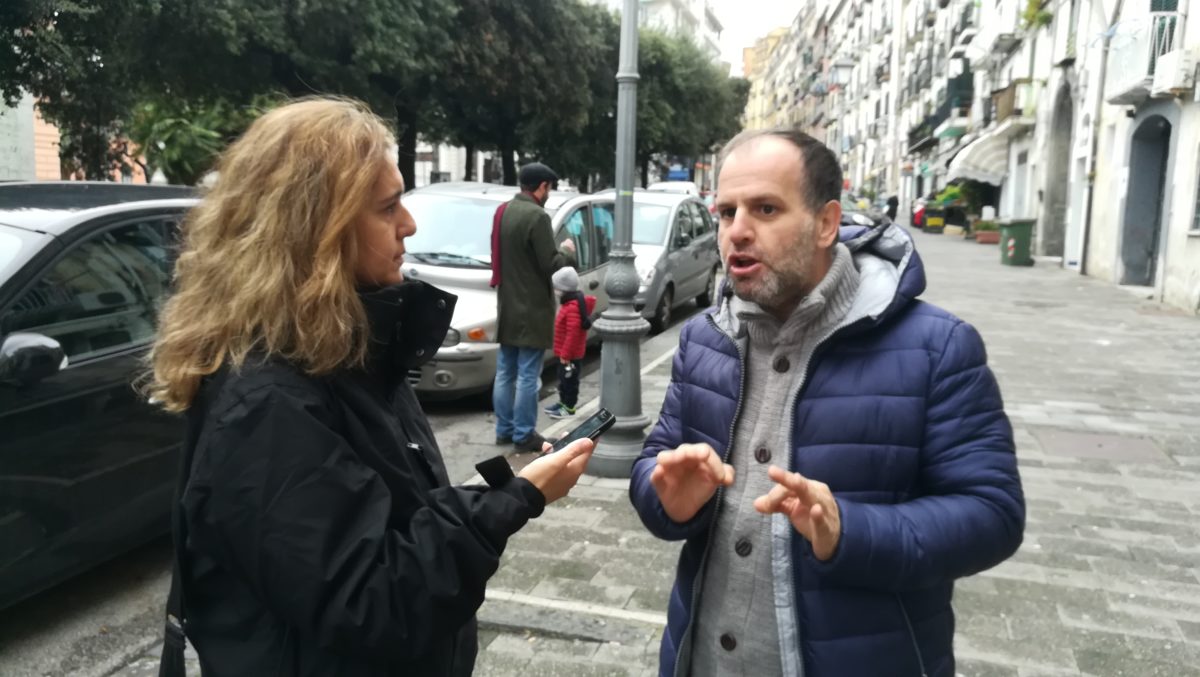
{"points": [[701, 224], [103, 295], [603, 221], [1195, 230], [683, 224], [575, 227]]}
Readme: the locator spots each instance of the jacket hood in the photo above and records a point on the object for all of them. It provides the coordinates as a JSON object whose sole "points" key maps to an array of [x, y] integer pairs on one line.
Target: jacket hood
{"points": [[891, 275], [408, 323]]}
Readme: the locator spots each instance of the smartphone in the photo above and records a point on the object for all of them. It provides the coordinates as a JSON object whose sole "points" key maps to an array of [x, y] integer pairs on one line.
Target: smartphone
{"points": [[593, 427]]}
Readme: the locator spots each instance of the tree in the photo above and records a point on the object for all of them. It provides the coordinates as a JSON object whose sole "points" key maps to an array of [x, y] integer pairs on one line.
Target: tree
{"points": [[521, 67], [89, 62]]}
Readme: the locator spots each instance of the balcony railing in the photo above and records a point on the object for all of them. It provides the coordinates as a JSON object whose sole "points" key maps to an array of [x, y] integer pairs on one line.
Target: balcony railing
{"points": [[1134, 53]]}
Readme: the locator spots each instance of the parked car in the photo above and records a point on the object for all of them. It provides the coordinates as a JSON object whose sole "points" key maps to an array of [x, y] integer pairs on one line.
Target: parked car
{"points": [[685, 187], [452, 249], [87, 466], [675, 243]]}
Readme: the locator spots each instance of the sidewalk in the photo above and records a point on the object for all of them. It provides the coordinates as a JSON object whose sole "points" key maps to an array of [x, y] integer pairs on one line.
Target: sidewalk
{"points": [[1104, 393]]}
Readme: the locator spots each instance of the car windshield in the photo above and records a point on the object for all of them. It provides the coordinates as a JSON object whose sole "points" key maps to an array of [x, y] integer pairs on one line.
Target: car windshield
{"points": [[650, 223], [452, 230]]}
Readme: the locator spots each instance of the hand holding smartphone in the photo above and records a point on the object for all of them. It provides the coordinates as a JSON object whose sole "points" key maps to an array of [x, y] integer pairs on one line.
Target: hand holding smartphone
{"points": [[592, 428]]}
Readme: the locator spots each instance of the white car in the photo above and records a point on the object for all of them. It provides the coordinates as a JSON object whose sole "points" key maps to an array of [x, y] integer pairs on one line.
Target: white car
{"points": [[452, 250], [685, 187]]}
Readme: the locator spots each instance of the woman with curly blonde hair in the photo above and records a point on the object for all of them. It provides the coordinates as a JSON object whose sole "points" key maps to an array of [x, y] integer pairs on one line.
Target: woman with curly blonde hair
{"points": [[316, 530]]}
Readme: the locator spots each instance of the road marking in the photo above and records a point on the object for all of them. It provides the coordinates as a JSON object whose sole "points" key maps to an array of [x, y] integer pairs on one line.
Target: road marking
{"points": [[585, 410], [577, 607]]}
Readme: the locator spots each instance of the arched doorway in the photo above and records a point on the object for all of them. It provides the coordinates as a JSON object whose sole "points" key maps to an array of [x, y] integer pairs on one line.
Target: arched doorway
{"points": [[1058, 169], [1145, 201]]}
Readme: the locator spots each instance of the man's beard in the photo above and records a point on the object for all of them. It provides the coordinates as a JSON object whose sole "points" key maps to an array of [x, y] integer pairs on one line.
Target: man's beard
{"points": [[785, 281]]}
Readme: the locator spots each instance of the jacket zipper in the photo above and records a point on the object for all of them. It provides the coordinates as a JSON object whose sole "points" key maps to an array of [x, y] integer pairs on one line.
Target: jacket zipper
{"points": [[912, 635], [685, 643]]}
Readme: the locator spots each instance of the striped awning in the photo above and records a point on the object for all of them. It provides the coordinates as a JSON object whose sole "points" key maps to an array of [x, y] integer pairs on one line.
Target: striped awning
{"points": [[985, 159]]}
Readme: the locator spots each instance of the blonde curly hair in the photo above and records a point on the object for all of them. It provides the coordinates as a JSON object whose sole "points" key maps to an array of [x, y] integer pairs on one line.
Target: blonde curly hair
{"points": [[267, 260]]}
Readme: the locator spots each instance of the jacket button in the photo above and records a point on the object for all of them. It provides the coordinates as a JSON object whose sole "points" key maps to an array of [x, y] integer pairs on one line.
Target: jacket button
{"points": [[782, 364], [441, 304], [420, 352], [728, 643], [762, 454], [743, 548]]}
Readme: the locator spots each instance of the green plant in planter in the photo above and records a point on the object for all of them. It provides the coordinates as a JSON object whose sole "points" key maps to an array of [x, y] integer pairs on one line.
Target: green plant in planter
{"points": [[1034, 16], [985, 226]]}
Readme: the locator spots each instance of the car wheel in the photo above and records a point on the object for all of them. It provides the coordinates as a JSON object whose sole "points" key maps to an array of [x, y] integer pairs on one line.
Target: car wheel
{"points": [[662, 314], [705, 299]]}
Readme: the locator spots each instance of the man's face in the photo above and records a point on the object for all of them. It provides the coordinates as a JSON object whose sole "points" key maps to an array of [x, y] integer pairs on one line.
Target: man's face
{"points": [[773, 245]]}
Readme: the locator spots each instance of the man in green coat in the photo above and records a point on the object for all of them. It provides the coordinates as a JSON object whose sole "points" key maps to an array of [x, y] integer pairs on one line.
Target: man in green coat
{"points": [[523, 260]]}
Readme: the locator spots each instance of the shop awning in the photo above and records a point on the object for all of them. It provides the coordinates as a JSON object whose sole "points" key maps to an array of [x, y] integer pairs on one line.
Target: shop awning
{"points": [[985, 159]]}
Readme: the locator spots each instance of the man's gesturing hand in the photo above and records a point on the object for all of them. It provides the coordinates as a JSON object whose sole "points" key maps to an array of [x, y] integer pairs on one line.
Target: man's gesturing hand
{"points": [[810, 507], [687, 478]]}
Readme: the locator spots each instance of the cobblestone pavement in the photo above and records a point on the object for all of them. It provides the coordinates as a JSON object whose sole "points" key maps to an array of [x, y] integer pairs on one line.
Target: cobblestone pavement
{"points": [[1103, 389]]}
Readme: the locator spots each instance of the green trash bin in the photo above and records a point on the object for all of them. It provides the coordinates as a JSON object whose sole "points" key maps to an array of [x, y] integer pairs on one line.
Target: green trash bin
{"points": [[1016, 238]]}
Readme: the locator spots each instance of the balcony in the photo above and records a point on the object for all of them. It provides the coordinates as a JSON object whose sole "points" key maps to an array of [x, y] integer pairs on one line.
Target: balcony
{"points": [[1013, 107], [1134, 54]]}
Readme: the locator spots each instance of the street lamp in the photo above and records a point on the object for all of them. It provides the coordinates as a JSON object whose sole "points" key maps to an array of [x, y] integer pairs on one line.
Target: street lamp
{"points": [[621, 326]]}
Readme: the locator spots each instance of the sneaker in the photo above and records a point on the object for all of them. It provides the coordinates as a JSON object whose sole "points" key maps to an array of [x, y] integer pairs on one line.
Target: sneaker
{"points": [[560, 410], [552, 409], [532, 443]]}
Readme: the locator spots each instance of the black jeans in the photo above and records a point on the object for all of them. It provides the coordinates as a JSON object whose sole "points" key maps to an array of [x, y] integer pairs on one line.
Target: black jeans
{"points": [[568, 382]]}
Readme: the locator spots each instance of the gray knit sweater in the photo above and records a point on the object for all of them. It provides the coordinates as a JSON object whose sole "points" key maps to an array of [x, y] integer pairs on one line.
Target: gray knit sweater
{"points": [[736, 629]]}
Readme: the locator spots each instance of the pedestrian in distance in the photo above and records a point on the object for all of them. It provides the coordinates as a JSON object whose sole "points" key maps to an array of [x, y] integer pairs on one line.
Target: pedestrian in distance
{"points": [[833, 452], [893, 207], [524, 258], [316, 529], [571, 326]]}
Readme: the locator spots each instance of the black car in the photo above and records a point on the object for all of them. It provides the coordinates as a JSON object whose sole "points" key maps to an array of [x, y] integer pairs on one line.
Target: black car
{"points": [[87, 465]]}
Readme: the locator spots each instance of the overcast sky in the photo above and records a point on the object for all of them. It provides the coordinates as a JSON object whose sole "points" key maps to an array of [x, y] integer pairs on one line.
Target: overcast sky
{"points": [[748, 20]]}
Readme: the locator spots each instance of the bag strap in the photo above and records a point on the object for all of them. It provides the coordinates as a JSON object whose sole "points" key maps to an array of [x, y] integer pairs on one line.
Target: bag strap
{"points": [[171, 664]]}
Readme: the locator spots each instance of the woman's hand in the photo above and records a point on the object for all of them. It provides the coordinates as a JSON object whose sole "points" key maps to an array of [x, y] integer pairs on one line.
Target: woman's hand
{"points": [[554, 474]]}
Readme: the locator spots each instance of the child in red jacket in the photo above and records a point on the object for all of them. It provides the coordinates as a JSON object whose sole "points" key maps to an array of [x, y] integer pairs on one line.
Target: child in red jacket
{"points": [[570, 339]]}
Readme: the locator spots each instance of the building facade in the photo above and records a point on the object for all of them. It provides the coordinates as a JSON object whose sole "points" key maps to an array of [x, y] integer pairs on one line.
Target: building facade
{"points": [[1080, 115]]}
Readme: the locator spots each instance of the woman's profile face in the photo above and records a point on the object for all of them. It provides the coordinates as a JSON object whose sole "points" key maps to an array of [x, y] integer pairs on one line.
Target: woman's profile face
{"points": [[381, 227]]}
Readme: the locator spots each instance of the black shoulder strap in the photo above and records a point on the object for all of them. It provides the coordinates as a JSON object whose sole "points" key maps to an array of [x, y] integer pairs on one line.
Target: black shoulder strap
{"points": [[175, 628]]}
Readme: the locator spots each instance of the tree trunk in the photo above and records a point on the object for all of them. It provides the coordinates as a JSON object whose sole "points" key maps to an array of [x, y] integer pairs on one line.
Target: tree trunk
{"points": [[406, 134], [469, 174], [507, 151]]}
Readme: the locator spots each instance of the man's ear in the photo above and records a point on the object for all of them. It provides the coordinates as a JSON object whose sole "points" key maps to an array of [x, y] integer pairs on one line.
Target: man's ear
{"points": [[829, 224]]}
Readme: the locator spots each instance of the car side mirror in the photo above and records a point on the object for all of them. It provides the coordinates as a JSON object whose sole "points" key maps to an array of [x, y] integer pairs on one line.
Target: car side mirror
{"points": [[26, 359], [683, 240]]}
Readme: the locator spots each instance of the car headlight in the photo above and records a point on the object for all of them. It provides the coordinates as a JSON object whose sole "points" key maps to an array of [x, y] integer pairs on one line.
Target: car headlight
{"points": [[452, 338]]}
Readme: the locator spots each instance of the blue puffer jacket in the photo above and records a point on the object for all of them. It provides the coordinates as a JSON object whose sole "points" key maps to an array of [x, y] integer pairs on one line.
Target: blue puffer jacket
{"points": [[902, 418]]}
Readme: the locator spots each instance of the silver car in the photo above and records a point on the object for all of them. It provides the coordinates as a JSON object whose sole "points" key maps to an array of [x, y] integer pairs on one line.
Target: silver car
{"points": [[674, 240]]}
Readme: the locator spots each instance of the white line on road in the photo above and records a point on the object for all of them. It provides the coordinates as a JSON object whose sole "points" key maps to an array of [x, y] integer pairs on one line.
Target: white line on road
{"points": [[579, 607]]}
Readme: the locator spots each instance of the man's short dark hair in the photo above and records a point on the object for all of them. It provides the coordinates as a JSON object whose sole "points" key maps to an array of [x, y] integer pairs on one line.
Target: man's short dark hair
{"points": [[822, 180]]}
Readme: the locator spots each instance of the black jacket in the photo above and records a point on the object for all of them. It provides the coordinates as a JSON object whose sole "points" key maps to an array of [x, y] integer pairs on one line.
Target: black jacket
{"points": [[323, 537]]}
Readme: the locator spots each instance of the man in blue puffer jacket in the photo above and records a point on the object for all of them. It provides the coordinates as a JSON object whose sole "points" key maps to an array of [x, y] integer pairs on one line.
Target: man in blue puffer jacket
{"points": [[834, 452]]}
